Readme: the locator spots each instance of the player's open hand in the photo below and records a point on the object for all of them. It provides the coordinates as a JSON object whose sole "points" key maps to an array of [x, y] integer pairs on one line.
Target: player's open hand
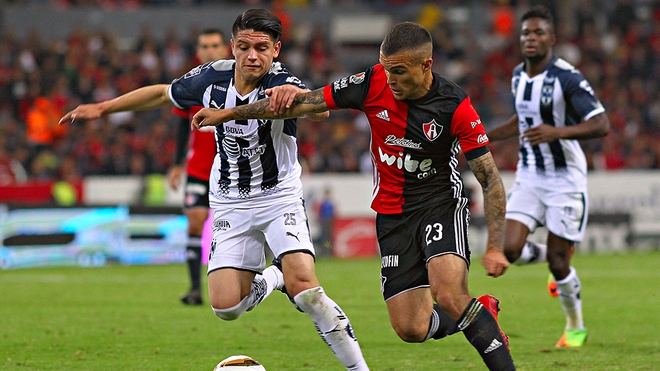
{"points": [[495, 263], [83, 112], [209, 117], [282, 97], [543, 133]]}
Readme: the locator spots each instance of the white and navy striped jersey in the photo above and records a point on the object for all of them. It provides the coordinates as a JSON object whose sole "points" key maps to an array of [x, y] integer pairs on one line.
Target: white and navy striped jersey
{"points": [[559, 96], [256, 160]]}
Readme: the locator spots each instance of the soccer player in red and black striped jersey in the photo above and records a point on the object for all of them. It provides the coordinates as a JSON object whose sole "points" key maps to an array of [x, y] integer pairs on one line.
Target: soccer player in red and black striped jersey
{"points": [[419, 122], [195, 152]]}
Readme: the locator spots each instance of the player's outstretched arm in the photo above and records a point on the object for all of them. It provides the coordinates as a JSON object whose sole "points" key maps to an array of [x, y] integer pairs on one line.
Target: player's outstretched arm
{"points": [[507, 130], [486, 172], [142, 99], [283, 96], [303, 104]]}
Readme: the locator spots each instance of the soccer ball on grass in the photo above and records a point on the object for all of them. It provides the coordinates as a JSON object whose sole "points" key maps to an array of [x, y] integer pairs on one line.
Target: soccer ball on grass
{"points": [[239, 363]]}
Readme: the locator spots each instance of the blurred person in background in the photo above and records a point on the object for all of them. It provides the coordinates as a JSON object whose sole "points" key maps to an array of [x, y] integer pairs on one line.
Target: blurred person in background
{"points": [[555, 107], [255, 187], [195, 153]]}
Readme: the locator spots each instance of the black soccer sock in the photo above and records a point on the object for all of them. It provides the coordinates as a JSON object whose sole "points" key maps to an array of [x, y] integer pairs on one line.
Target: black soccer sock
{"points": [[194, 260], [441, 324], [483, 332]]}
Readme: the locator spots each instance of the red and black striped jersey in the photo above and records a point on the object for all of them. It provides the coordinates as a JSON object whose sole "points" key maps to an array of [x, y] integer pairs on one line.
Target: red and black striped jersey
{"points": [[414, 143]]}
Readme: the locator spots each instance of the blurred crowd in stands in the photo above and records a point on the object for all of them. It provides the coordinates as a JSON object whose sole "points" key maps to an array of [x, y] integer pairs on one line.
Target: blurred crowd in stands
{"points": [[617, 47]]}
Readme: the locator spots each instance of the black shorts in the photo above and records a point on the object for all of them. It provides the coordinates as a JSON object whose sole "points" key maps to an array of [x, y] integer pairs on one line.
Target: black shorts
{"points": [[407, 242], [197, 193]]}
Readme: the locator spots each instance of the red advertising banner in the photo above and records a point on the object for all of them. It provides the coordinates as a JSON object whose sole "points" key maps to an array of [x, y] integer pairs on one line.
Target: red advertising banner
{"points": [[354, 237]]}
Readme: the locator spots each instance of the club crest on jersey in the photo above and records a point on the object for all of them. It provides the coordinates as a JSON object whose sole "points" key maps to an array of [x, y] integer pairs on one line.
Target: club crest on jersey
{"points": [[432, 130]]}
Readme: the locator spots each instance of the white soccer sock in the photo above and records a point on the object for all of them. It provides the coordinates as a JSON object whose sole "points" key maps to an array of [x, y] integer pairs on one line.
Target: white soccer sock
{"points": [[532, 253], [569, 295], [263, 285], [333, 326]]}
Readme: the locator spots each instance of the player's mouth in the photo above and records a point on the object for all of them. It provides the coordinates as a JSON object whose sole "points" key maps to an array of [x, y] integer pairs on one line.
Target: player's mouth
{"points": [[530, 48]]}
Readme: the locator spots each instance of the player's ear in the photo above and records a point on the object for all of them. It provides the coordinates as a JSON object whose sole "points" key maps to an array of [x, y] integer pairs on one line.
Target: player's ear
{"points": [[427, 64], [277, 47], [231, 46]]}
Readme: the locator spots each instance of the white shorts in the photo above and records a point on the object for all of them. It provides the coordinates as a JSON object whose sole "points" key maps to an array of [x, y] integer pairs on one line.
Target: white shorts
{"points": [[240, 234], [563, 213]]}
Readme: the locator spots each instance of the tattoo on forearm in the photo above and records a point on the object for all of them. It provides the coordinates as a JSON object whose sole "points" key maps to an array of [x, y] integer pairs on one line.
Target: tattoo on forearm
{"points": [[310, 102], [486, 172], [255, 110]]}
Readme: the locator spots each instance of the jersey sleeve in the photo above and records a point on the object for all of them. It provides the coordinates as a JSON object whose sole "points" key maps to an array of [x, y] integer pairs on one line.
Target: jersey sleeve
{"points": [[581, 96], [466, 126], [348, 92], [187, 90]]}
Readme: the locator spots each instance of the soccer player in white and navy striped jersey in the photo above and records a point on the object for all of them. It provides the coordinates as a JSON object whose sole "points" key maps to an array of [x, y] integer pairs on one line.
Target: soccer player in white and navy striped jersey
{"points": [[555, 107], [255, 187]]}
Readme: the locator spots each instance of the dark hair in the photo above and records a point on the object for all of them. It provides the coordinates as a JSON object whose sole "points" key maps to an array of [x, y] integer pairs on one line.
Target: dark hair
{"points": [[212, 31], [541, 12], [260, 20], [405, 36]]}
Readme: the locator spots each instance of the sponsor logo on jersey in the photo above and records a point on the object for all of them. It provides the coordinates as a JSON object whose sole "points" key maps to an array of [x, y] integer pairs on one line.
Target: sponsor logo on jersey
{"points": [[293, 80], [432, 130], [221, 225], [358, 78], [249, 152], [392, 140], [194, 72], [233, 130], [340, 84], [389, 261], [482, 139], [383, 115], [405, 162], [475, 123], [215, 105], [219, 87]]}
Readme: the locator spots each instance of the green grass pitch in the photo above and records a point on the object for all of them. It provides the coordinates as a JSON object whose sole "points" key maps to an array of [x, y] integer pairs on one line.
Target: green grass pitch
{"points": [[129, 318]]}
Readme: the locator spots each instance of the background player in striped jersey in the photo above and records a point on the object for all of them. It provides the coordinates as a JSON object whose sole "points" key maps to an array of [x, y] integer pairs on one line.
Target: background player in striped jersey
{"points": [[255, 188], [419, 122], [555, 107], [197, 159]]}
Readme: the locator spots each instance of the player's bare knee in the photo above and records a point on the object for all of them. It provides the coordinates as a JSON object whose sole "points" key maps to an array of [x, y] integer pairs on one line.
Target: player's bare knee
{"points": [[511, 254], [411, 334]]}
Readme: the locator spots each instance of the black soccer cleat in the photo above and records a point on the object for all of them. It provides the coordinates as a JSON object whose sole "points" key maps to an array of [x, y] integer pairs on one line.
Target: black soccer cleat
{"points": [[277, 264], [194, 297]]}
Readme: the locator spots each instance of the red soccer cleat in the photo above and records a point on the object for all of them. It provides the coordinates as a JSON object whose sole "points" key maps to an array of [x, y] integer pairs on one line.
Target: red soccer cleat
{"points": [[492, 305]]}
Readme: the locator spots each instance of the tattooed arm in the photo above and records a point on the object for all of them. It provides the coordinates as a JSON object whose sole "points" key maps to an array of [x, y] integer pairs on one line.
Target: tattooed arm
{"points": [[303, 104], [486, 172]]}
